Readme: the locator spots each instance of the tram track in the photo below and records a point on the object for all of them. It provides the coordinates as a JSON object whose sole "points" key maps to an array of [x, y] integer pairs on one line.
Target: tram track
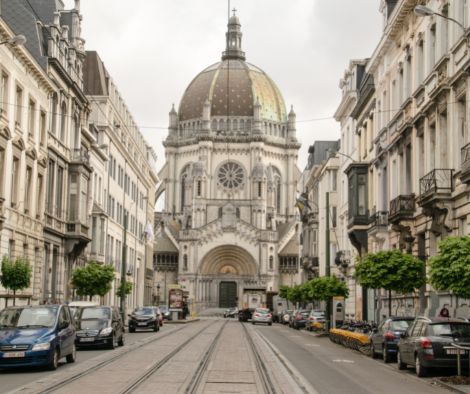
{"points": [[96, 367], [193, 385]]}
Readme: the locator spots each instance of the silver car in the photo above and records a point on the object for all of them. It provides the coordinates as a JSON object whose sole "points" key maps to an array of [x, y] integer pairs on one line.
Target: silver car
{"points": [[262, 315]]}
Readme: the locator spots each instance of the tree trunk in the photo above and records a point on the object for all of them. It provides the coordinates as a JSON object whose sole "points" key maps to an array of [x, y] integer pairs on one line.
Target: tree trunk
{"points": [[90, 297], [389, 303], [14, 297]]}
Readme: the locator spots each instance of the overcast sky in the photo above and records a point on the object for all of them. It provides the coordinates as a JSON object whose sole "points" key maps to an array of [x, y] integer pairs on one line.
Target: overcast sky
{"points": [[154, 48]]}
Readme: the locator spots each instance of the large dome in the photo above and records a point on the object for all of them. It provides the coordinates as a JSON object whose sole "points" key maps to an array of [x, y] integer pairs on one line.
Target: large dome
{"points": [[233, 86], [245, 83]]}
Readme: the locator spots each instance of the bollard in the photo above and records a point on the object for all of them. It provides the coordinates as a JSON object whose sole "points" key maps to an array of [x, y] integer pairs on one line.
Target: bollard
{"points": [[459, 368]]}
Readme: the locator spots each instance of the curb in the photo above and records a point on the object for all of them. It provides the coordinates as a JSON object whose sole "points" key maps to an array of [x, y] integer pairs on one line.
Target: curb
{"points": [[451, 387]]}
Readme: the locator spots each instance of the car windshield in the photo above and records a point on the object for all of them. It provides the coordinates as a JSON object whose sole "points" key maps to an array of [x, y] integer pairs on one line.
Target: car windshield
{"points": [[28, 317], [95, 313], [144, 311], [400, 325], [262, 311], [461, 330], [164, 309], [318, 313], [92, 324]]}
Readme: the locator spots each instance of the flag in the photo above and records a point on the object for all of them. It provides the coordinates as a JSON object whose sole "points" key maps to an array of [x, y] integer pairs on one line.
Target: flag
{"points": [[148, 232]]}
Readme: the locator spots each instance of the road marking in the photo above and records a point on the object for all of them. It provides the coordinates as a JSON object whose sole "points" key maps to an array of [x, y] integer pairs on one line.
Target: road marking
{"points": [[343, 361]]}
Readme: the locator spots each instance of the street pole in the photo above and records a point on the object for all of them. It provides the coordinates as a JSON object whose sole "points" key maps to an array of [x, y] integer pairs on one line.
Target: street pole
{"points": [[327, 256], [124, 268]]}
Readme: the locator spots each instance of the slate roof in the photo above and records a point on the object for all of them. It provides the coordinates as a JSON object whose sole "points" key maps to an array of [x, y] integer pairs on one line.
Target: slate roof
{"points": [[22, 20], [95, 75], [291, 248]]}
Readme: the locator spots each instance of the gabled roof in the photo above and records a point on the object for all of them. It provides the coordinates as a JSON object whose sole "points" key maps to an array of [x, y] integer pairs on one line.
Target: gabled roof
{"points": [[291, 248]]}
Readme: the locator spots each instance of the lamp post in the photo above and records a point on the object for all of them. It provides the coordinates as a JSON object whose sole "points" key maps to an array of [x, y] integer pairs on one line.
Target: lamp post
{"points": [[14, 41], [124, 268]]}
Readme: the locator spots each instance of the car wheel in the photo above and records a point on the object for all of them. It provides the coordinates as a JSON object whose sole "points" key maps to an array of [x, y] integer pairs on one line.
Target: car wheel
{"points": [[72, 356], [270, 324], [401, 364], [121, 340], [112, 345], [385, 354], [421, 371], [54, 363], [131, 329], [253, 322], [373, 353]]}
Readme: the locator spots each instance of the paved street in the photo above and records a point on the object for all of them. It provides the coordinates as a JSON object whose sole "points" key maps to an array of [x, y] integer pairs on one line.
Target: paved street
{"points": [[13, 379], [219, 355]]}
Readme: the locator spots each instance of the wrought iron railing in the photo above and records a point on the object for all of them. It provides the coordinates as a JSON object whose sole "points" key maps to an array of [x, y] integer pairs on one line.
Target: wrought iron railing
{"points": [[465, 157], [402, 205], [378, 218], [438, 180]]}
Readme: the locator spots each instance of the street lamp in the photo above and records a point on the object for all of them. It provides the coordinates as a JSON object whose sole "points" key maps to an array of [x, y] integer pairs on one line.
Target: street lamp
{"points": [[20, 39], [422, 10]]}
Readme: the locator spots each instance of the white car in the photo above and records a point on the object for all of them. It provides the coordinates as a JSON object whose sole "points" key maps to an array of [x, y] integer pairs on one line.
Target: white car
{"points": [[262, 315]]}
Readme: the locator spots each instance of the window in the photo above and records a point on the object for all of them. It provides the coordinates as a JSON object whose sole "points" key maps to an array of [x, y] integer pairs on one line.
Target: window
{"points": [[39, 196], [260, 189], [444, 30], [271, 263], [185, 262], [15, 175], [42, 125], [432, 46], [27, 192], [59, 191], [278, 195], [31, 116], [4, 94], [11, 248], [333, 216], [54, 110], [420, 62], [63, 121], [183, 191], [199, 188], [50, 187], [73, 195], [18, 105], [83, 199], [361, 194]]}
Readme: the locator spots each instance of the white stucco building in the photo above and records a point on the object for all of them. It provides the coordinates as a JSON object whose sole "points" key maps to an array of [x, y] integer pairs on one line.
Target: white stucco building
{"points": [[230, 183]]}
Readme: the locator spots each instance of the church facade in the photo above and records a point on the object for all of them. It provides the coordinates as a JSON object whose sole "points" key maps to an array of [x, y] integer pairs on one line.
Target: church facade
{"points": [[228, 234]]}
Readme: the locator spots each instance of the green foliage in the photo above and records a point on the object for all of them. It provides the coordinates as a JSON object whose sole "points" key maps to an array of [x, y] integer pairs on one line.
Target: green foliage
{"points": [[450, 269], [325, 288], [93, 279], [16, 275], [390, 270], [124, 290], [321, 289]]}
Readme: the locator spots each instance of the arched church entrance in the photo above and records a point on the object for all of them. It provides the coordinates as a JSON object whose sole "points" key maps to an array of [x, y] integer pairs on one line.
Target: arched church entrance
{"points": [[224, 272]]}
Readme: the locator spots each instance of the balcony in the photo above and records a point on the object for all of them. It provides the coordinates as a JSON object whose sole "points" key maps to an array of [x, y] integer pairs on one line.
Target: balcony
{"points": [[465, 164], [402, 207], [436, 186], [81, 156], [378, 223], [77, 236]]}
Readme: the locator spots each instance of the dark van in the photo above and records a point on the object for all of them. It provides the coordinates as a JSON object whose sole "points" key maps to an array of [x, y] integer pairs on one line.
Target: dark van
{"points": [[38, 335]]}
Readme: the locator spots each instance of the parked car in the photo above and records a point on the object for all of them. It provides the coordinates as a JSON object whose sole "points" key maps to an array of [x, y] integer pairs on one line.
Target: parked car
{"points": [[426, 344], [316, 320], [262, 315], [244, 315], [300, 319], [99, 326], [231, 312], [165, 312], [74, 306], [144, 318], [385, 337], [286, 316], [38, 335]]}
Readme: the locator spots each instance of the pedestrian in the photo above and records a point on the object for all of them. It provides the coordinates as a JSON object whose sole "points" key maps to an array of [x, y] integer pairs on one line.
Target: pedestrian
{"points": [[444, 312]]}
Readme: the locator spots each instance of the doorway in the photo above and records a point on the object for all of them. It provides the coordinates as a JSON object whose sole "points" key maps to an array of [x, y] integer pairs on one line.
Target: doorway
{"points": [[227, 294]]}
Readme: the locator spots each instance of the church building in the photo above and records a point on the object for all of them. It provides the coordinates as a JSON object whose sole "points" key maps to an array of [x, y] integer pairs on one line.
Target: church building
{"points": [[229, 232]]}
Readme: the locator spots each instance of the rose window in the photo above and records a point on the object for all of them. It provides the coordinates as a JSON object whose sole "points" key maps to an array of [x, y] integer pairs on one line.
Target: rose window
{"points": [[231, 175]]}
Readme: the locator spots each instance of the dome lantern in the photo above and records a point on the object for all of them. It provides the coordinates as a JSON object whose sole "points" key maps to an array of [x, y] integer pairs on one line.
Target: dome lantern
{"points": [[233, 49]]}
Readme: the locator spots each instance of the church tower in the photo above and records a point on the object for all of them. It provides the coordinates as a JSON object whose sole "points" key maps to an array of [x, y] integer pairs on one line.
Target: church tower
{"points": [[230, 181]]}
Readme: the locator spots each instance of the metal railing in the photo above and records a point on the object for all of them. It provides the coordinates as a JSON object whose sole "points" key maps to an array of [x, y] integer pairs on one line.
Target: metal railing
{"points": [[403, 204], [379, 218], [438, 180], [465, 156]]}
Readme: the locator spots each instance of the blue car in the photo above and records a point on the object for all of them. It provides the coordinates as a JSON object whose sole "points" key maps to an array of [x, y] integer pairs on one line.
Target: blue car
{"points": [[38, 335]]}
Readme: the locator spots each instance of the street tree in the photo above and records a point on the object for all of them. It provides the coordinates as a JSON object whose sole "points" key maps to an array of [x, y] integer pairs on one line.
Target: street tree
{"points": [[450, 269], [325, 288], [124, 290], [93, 279], [391, 270], [16, 275]]}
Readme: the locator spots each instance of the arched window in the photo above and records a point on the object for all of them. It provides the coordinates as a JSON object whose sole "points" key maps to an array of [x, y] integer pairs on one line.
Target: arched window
{"points": [[183, 191], [63, 120], [54, 110], [278, 189], [271, 263], [185, 262], [199, 188], [260, 189]]}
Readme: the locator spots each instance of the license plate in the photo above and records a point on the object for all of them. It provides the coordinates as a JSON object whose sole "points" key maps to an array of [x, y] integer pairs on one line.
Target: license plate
{"points": [[87, 339], [456, 351], [13, 354], [141, 324]]}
